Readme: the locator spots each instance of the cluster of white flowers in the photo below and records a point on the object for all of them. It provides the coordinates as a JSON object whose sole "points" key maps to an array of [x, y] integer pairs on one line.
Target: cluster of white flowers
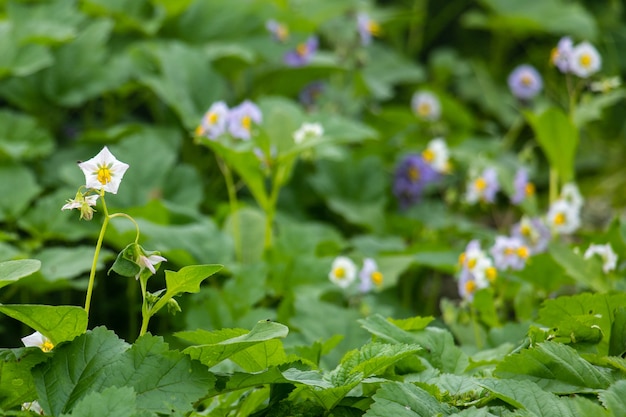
{"points": [[308, 131], [582, 60], [564, 214], [343, 272]]}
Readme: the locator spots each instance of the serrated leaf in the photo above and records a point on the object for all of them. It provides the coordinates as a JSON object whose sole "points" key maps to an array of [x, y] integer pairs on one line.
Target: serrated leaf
{"points": [[527, 395], [111, 402], [214, 347], [406, 400], [57, 323], [556, 368], [11, 271], [16, 381], [582, 316], [617, 344], [386, 329], [614, 398]]}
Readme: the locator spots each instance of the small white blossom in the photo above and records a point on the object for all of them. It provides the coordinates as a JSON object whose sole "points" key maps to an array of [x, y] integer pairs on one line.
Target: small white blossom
{"points": [[563, 217], [609, 258], [103, 171], [437, 155], [426, 105], [370, 275], [33, 406], [84, 204], [39, 340], [584, 60], [571, 194], [342, 272], [308, 131]]}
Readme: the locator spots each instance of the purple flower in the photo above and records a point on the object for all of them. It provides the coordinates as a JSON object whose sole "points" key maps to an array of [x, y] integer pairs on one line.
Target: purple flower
{"points": [[525, 82], [302, 54], [534, 232], [279, 31], [369, 276], [484, 187], [509, 252], [367, 28], [412, 175], [214, 121], [523, 187], [309, 95], [241, 118], [560, 56]]}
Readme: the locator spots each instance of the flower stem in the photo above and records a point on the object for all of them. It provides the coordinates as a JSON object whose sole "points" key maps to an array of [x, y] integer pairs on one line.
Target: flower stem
{"points": [[92, 273], [477, 337], [554, 185], [234, 206], [145, 313], [132, 220]]}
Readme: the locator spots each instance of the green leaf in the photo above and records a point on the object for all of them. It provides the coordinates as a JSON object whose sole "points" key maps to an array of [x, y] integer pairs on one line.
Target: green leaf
{"points": [[614, 398], [139, 15], [387, 330], [386, 68], [591, 105], [16, 381], [21, 137], [18, 182], [556, 368], [11, 271], [617, 344], [406, 400], [20, 59], [111, 402], [48, 23], [188, 278], [584, 319], [57, 323], [214, 347], [581, 270], [527, 395], [558, 137]]}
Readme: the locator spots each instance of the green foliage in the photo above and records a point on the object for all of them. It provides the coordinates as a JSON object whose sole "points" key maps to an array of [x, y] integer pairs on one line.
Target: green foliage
{"points": [[12, 271]]}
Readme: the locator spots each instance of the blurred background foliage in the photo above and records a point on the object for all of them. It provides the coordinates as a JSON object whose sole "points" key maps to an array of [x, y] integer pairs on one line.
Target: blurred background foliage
{"points": [[137, 76]]}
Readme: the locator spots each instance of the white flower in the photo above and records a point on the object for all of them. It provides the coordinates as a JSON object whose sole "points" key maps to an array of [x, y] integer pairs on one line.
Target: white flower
{"points": [[308, 131], [609, 258], [214, 121], [34, 407], [563, 217], [342, 271], [584, 60], [571, 194], [149, 261], [369, 275], [84, 204], [478, 264], [103, 171], [39, 340], [426, 105], [605, 85], [437, 155]]}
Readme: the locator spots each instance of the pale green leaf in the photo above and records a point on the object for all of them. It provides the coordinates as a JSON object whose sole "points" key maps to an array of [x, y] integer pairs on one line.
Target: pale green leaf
{"points": [[111, 402], [57, 323], [614, 398], [11, 271], [406, 400]]}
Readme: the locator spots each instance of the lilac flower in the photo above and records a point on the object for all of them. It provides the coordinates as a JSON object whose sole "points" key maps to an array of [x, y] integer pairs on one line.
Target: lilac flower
{"points": [[533, 232], [585, 60], [369, 275], [483, 187], [563, 217], [412, 175], [560, 56], [241, 118], [311, 92], [426, 105], [279, 31], [302, 54], [214, 121], [523, 187], [525, 82], [367, 28], [477, 270], [509, 252]]}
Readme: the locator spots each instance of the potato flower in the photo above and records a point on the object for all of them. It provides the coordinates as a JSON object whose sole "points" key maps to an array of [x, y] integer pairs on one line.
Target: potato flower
{"points": [[523, 187], [279, 31], [525, 82], [83, 203], [39, 340], [367, 28], [103, 171], [437, 155], [308, 131], [563, 217], [411, 177], [369, 276], [560, 56], [342, 272], [426, 106], [533, 232], [477, 270], [585, 60], [213, 123], [509, 252], [241, 118], [302, 54], [483, 187], [605, 252]]}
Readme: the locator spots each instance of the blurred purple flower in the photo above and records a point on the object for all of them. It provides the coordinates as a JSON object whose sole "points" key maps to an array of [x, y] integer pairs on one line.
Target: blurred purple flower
{"points": [[509, 252], [560, 56], [525, 82], [302, 54], [523, 187], [369, 275], [240, 119], [534, 232], [412, 175], [484, 187], [279, 31], [367, 28], [214, 121]]}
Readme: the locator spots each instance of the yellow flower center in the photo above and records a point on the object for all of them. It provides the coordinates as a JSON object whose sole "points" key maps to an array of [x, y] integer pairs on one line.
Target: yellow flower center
{"points": [[246, 122], [529, 189], [523, 252], [104, 175], [373, 28], [377, 278], [525, 230], [414, 174], [470, 287], [339, 272], [554, 55], [428, 155], [424, 109], [492, 273], [199, 130], [302, 49], [471, 263], [282, 32], [480, 184], [585, 60], [509, 251], [47, 346], [560, 219], [213, 118], [462, 258], [526, 79]]}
